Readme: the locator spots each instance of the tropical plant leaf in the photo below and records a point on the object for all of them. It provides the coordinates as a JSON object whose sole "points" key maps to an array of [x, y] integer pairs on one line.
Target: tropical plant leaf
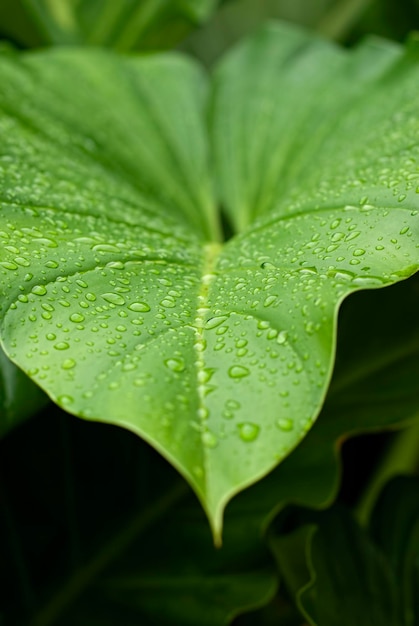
{"points": [[119, 298], [120, 535], [374, 580], [357, 587], [374, 387], [394, 526], [19, 396], [123, 25]]}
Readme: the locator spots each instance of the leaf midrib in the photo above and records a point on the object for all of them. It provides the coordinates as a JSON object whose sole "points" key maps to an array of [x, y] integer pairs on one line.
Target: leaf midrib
{"points": [[211, 253]]}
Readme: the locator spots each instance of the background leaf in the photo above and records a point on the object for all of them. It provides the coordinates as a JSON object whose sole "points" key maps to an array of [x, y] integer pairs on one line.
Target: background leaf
{"points": [[124, 25], [359, 587], [117, 533], [395, 529], [375, 578]]}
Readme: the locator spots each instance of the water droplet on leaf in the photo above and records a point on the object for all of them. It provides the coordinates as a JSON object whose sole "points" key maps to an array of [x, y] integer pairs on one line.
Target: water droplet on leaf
{"points": [[248, 431]]}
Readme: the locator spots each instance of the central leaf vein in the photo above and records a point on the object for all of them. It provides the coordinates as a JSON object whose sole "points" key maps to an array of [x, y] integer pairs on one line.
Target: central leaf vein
{"points": [[211, 253]]}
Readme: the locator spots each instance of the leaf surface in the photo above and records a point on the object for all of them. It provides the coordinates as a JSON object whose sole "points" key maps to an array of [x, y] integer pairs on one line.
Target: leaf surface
{"points": [[120, 300], [374, 387]]}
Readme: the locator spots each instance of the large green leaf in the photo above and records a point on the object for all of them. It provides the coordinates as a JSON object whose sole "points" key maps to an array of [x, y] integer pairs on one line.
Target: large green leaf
{"points": [[124, 25], [120, 300]]}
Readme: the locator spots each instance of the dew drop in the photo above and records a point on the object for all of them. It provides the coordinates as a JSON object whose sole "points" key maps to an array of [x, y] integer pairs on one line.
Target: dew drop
{"points": [[307, 271], [282, 337], [352, 235], [228, 415], [175, 365], [68, 364], [77, 317], [139, 307], [113, 298], [168, 303], [39, 290], [285, 424], [105, 247], [269, 301], [203, 413], [213, 322], [248, 431], [266, 265], [209, 439], [65, 400], [205, 375], [62, 345], [238, 371], [8, 265]]}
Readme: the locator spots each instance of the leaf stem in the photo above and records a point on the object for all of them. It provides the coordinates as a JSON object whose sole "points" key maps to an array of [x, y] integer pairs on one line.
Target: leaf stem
{"points": [[337, 22], [401, 458], [81, 579]]}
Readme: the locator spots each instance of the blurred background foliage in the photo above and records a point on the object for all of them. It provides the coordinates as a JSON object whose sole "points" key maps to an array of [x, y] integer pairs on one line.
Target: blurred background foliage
{"points": [[204, 28]]}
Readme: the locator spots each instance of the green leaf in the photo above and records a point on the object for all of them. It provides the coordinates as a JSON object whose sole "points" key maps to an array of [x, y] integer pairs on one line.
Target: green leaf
{"points": [[374, 387], [339, 574], [395, 528], [120, 300], [346, 579], [19, 396], [124, 25]]}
